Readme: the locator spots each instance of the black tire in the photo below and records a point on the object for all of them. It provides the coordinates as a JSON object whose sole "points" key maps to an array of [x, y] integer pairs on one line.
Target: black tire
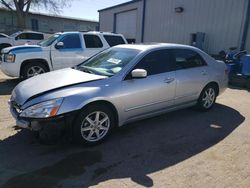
{"points": [[79, 137], [202, 104], [26, 71]]}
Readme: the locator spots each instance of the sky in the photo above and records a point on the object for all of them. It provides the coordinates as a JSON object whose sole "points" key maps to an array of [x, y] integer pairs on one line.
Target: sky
{"points": [[88, 9]]}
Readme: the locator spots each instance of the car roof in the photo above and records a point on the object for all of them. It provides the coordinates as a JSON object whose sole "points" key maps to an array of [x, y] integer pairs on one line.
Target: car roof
{"points": [[149, 46], [91, 32]]}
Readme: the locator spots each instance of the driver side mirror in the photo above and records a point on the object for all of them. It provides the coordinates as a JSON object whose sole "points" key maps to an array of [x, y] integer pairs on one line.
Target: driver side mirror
{"points": [[59, 45], [139, 73]]}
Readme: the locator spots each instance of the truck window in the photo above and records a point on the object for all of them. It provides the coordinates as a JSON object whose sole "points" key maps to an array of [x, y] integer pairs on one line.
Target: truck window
{"points": [[71, 41], [92, 41], [114, 40], [35, 36]]}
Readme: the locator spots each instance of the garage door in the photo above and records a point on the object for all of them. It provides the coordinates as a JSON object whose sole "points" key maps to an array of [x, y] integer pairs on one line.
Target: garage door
{"points": [[126, 24]]}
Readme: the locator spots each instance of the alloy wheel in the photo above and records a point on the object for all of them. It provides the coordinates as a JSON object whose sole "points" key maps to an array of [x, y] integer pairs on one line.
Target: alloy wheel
{"points": [[208, 98], [34, 71], [95, 126]]}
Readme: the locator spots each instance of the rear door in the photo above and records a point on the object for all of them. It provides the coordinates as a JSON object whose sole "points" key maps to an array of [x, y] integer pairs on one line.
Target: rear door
{"points": [[70, 55], [156, 91], [191, 75]]}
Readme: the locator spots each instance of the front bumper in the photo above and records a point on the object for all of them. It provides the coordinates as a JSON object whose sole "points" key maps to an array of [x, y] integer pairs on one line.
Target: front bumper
{"points": [[10, 69], [58, 123]]}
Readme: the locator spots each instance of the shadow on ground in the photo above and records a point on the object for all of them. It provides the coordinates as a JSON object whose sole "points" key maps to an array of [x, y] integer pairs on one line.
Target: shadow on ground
{"points": [[6, 86], [132, 152]]}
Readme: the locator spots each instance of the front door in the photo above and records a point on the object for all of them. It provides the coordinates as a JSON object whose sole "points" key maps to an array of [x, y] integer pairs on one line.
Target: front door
{"points": [[153, 93], [70, 54]]}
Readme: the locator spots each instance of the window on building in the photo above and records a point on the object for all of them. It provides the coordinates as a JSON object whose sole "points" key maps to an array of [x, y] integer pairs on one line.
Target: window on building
{"points": [[185, 59], [34, 24], [92, 41], [71, 41], [157, 62], [114, 40]]}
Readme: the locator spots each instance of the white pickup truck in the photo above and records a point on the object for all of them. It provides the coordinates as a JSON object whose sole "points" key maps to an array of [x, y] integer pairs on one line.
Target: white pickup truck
{"points": [[20, 38], [58, 51]]}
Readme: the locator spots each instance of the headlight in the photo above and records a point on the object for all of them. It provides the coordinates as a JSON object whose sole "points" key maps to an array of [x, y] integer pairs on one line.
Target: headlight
{"points": [[43, 110], [9, 58]]}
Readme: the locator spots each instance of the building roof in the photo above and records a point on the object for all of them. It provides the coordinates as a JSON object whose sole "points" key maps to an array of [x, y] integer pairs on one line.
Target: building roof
{"points": [[57, 16], [127, 3]]}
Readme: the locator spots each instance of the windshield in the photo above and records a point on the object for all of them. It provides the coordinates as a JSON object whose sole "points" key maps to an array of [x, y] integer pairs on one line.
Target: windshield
{"points": [[15, 34], [109, 62], [49, 41]]}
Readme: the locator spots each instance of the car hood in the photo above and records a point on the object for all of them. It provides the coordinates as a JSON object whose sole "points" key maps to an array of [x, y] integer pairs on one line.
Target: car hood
{"points": [[22, 48], [49, 81]]}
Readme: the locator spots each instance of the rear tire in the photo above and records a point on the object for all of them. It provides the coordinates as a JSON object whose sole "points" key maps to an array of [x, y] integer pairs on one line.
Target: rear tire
{"points": [[93, 125], [207, 98], [33, 69]]}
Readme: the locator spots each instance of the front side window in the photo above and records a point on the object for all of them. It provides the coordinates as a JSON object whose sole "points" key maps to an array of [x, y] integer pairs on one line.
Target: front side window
{"points": [[71, 41], [157, 62], [185, 59], [49, 41], [114, 40], [109, 62], [92, 41], [22, 36]]}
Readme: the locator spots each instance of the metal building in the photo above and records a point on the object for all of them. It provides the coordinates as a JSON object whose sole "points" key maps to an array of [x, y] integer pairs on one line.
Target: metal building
{"points": [[212, 25], [44, 23]]}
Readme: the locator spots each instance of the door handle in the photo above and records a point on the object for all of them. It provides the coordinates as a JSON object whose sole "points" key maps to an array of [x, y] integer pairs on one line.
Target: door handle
{"points": [[169, 80]]}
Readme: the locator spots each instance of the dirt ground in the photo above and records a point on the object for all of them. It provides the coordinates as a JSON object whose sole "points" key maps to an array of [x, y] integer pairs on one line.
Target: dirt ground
{"points": [[179, 149]]}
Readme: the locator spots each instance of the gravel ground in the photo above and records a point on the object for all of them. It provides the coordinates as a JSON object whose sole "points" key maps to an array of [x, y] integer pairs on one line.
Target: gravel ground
{"points": [[179, 149]]}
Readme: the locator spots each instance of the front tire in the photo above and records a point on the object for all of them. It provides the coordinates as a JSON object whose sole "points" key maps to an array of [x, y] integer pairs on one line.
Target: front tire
{"points": [[33, 69], [207, 98], [93, 125]]}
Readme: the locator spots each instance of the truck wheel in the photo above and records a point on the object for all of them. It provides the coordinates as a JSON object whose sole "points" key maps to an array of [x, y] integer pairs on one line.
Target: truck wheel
{"points": [[33, 69]]}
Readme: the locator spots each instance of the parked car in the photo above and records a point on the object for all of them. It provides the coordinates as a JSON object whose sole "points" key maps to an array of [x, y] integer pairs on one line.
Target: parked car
{"points": [[59, 51], [21, 38], [2, 35], [117, 86]]}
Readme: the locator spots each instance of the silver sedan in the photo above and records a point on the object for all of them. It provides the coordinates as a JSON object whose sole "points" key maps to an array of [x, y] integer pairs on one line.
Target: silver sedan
{"points": [[117, 86]]}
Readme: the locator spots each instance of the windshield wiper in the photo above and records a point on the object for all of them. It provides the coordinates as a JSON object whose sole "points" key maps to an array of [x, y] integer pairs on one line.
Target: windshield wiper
{"points": [[84, 69]]}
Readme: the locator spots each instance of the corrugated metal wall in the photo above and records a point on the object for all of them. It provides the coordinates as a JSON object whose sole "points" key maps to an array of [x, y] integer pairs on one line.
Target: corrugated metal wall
{"points": [[221, 20]]}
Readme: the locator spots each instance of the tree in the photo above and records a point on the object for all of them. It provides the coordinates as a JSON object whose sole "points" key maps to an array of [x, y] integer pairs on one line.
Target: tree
{"points": [[22, 7]]}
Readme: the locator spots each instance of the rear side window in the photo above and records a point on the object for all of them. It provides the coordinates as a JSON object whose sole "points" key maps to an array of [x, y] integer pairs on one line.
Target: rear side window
{"points": [[35, 36], [92, 41], [30, 36], [114, 40], [185, 59], [157, 62], [71, 41]]}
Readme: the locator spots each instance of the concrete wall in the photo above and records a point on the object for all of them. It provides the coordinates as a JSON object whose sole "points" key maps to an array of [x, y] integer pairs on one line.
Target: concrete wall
{"points": [[107, 17], [47, 24]]}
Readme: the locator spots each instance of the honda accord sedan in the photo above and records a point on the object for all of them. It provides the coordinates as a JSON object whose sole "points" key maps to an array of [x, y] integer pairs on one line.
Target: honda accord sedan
{"points": [[117, 86]]}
